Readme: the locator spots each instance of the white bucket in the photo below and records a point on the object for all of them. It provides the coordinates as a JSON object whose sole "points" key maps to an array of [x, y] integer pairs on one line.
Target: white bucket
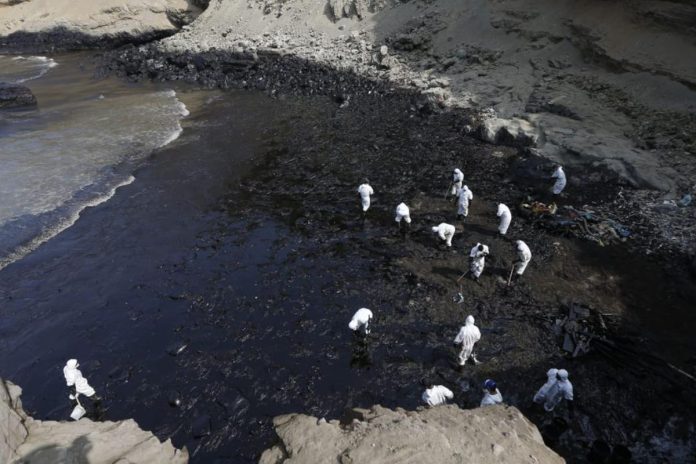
{"points": [[77, 413]]}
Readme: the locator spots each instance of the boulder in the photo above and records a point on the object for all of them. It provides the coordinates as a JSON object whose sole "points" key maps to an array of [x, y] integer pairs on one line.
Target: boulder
{"points": [[443, 435], [25, 440], [15, 95]]}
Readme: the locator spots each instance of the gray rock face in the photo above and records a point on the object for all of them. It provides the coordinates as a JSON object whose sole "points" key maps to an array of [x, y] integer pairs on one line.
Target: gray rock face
{"points": [[14, 95], [24, 440], [443, 435]]}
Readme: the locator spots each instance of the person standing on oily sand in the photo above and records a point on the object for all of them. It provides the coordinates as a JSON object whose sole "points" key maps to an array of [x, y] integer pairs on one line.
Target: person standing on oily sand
{"points": [[73, 378], [365, 191], [435, 395], [524, 256], [361, 320], [560, 177], [478, 259], [468, 335], [540, 396], [457, 179], [491, 395], [505, 218], [445, 232], [561, 390], [403, 213], [464, 197]]}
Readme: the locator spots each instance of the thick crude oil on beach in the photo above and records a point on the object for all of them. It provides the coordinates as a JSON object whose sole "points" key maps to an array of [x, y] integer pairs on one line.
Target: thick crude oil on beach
{"points": [[213, 290]]}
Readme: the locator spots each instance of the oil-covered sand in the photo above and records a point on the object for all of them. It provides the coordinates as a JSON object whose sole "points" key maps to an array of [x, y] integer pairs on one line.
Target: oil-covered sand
{"points": [[226, 274]]}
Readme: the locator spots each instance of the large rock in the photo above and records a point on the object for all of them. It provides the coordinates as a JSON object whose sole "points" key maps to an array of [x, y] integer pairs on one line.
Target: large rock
{"points": [[443, 435], [14, 95], [24, 440], [75, 23]]}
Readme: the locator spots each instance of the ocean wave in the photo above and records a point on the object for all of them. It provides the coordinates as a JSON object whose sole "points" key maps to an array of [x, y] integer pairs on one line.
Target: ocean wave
{"points": [[27, 68], [68, 221]]}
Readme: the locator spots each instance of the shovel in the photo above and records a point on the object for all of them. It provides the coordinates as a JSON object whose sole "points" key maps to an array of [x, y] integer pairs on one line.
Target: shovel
{"points": [[511, 271]]}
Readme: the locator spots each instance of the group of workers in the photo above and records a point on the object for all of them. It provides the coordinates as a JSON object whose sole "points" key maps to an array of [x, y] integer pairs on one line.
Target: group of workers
{"points": [[557, 387]]}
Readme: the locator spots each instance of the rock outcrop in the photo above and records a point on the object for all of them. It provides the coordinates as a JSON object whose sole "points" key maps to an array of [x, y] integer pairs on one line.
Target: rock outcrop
{"points": [[15, 95], [24, 440], [48, 24], [443, 435]]}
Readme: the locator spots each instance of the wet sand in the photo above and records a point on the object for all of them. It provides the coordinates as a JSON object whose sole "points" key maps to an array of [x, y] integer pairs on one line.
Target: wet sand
{"points": [[242, 242]]}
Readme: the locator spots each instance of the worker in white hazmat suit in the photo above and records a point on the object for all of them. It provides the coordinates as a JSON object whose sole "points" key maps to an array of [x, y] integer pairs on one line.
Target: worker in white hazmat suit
{"points": [[365, 191], [491, 394], [402, 212], [551, 380], [505, 218], [457, 179], [361, 319], [445, 232], [71, 372], [560, 177], [524, 256], [561, 390], [468, 335], [436, 395], [73, 378], [464, 197], [478, 259]]}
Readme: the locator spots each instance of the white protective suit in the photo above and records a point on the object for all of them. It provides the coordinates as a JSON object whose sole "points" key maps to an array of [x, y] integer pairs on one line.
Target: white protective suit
{"points": [[525, 256], [73, 376], [561, 390], [361, 318], [540, 396], [490, 399], [71, 372], [457, 179], [478, 261], [464, 196], [468, 335], [402, 212], [82, 387], [445, 232], [505, 218], [437, 395], [560, 177], [365, 191]]}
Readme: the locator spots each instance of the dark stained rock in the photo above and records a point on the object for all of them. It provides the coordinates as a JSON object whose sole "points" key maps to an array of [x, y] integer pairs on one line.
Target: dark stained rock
{"points": [[15, 95]]}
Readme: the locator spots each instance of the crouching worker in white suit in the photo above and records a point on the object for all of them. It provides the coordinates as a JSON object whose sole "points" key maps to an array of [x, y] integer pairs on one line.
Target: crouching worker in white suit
{"points": [[560, 177], [445, 232], [361, 320], [435, 395], [403, 213]]}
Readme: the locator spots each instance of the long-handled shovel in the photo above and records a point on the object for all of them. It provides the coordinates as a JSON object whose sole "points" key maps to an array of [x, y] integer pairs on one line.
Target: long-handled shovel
{"points": [[511, 271], [448, 189]]}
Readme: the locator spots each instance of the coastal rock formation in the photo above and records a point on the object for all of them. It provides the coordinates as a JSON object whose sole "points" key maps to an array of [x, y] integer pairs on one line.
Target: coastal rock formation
{"points": [[61, 24], [24, 440], [443, 435], [14, 95]]}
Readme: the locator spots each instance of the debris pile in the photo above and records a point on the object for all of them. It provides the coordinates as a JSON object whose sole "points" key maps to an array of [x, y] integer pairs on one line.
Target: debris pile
{"points": [[579, 223]]}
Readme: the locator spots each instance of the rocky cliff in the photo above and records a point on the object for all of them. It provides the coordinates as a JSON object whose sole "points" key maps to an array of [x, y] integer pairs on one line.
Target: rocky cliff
{"points": [[24, 440], [445, 434], [48, 24]]}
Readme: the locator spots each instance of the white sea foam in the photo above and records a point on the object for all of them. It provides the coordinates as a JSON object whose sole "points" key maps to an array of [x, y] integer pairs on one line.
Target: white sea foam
{"points": [[50, 232], [50, 169], [27, 68]]}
